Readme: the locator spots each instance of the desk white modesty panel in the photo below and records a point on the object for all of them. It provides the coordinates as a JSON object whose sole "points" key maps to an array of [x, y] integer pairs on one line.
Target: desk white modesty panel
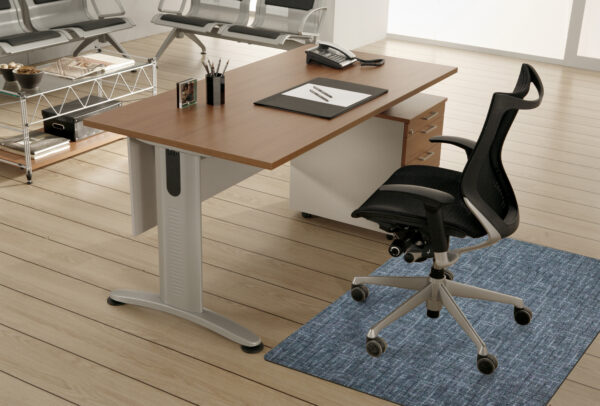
{"points": [[335, 178]]}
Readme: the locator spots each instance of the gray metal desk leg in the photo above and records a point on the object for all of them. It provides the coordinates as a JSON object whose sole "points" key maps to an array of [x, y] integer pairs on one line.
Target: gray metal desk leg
{"points": [[179, 212]]}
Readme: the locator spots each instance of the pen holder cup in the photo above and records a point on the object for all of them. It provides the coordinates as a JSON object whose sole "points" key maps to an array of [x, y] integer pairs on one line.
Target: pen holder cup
{"points": [[215, 89]]}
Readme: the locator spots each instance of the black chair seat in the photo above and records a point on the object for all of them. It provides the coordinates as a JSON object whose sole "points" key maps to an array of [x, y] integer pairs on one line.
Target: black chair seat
{"points": [[91, 25], [197, 21], [386, 208], [257, 32], [29, 37]]}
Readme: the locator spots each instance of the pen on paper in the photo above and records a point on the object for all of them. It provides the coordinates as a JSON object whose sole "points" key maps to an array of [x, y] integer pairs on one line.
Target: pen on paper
{"points": [[322, 91], [318, 95]]}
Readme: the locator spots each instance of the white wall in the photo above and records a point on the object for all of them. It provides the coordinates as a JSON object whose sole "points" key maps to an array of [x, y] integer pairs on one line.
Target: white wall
{"points": [[535, 27], [355, 23], [589, 42]]}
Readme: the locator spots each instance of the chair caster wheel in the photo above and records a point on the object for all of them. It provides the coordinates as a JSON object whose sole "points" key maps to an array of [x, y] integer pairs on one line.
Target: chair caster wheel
{"points": [[486, 364], [397, 247], [359, 293], [449, 275], [433, 314], [394, 250], [376, 346], [523, 316], [307, 215], [113, 302], [252, 350]]}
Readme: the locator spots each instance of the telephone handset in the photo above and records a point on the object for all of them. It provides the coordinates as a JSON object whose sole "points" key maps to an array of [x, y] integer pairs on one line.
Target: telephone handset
{"points": [[335, 56]]}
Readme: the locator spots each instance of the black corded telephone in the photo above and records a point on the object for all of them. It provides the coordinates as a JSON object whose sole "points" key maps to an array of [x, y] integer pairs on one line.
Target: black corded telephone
{"points": [[335, 56]]}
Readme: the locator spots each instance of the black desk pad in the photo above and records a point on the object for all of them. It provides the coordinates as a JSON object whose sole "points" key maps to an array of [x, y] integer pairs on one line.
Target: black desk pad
{"points": [[295, 104]]}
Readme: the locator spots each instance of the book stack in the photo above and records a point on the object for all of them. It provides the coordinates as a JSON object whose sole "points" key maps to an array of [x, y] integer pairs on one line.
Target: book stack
{"points": [[41, 144]]}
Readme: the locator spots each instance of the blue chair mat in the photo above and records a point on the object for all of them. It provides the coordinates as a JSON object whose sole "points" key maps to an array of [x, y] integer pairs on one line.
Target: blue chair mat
{"points": [[432, 361]]}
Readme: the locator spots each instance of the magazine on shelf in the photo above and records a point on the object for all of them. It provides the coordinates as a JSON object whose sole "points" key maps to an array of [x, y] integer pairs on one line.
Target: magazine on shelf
{"points": [[75, 67], [41, 144]]}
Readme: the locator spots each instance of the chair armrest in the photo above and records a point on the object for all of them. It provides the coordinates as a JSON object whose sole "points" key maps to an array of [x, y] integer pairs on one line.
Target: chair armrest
{"points": [[430, 197], [101, 15], [433, 200], [309, 13], [162, 9], [464, 143]]}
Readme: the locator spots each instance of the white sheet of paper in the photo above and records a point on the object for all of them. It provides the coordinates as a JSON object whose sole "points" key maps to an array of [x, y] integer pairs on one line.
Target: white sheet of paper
{"points": [[343, 98]]}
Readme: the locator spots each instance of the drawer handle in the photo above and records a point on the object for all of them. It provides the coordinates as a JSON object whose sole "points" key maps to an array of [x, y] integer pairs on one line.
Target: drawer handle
{"points": [[58, 126], [425, 157], [411, 131], [430, 129], [431, 115]]}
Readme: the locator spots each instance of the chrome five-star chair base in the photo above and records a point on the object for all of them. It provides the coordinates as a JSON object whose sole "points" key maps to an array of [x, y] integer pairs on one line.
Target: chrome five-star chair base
{"points": [[436, 290]]}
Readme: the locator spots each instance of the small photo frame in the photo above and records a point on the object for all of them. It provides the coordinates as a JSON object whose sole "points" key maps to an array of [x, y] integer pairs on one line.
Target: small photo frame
{"points": [[187, 93]]}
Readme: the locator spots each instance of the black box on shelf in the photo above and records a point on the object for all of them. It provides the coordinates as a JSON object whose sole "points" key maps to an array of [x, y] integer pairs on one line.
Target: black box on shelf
{"points": [[71, 124]]}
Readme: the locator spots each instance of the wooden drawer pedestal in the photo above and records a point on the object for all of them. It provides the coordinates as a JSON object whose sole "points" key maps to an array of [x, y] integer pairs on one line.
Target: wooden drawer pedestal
{"points": [[423, 118]]}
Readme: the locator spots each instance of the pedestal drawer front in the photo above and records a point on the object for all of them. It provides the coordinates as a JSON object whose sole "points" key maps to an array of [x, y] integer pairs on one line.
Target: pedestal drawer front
{"points": [[433, 116], [418, 143], [429, 157]]}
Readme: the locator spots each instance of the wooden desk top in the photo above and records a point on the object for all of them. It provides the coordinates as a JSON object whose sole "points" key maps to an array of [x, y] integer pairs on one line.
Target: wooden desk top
{"points": [[260, 136]]}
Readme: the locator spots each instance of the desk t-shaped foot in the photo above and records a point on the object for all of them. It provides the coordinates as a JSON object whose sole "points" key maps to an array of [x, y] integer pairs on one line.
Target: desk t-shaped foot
{"points": [[249, 341]]}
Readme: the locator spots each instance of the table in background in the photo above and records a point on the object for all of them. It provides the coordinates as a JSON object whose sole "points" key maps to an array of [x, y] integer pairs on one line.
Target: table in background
{"points": [[137, 79]]}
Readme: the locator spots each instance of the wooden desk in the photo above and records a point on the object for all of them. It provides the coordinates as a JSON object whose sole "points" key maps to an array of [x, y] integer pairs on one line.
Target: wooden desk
{"points": [[242, 132], [178, 158]]}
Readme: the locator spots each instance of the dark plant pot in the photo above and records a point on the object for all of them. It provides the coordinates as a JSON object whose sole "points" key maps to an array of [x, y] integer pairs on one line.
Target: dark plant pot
{"points": [[28, 80]]}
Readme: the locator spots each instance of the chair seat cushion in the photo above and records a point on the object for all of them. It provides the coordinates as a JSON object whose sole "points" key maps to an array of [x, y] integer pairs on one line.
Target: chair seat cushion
{"points": [[197, 21], [29, 37], [91, 25], [256, 32], [390, 210]]}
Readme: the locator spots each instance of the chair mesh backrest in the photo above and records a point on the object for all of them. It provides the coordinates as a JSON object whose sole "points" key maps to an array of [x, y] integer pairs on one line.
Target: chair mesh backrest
{"points": [[228, 11], [286, 15], [46, 14], [484, 180], [9, 19]]}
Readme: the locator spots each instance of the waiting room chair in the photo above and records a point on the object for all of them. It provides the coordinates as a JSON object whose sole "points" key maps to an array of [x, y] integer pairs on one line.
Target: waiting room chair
{"points": [[280, 23], [16, 37], [74, 17], [423, 206], [203, 17]]}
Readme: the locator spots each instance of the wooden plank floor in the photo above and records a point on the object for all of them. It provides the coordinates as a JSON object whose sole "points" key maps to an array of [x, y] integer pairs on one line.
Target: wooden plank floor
{"points": [[65, 243]]}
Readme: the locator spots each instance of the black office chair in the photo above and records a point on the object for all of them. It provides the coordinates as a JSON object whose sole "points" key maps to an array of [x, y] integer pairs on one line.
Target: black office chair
{"points": [[423, 206]]}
